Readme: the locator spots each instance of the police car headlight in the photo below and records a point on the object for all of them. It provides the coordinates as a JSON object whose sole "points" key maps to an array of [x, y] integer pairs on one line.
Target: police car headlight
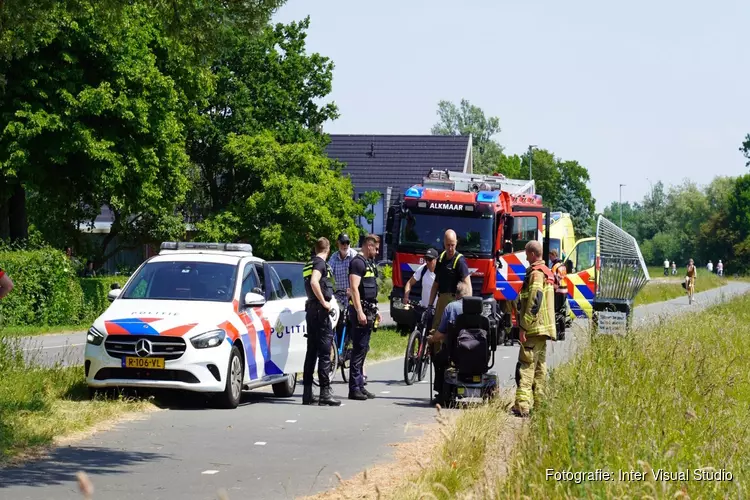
{"points": [[208, 339], [94, 336]]}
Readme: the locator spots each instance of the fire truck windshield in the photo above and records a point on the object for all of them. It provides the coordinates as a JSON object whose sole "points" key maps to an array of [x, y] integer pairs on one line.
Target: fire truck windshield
{"points": [[421, 231]]}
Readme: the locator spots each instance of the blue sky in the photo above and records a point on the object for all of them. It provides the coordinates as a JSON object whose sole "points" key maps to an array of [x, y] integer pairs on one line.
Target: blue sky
{"points": [[635, 91]]}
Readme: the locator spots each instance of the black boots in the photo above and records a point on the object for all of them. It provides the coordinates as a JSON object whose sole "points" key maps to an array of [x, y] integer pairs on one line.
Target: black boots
{"points": [[307, 396], [326, 397]]}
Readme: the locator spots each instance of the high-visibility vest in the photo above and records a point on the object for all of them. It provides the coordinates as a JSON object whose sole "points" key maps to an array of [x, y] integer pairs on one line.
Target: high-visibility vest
{"points": [[446, 273], [326, 283], [368, 285]]}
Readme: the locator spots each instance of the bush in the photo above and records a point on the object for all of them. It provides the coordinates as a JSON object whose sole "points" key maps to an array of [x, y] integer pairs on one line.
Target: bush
{"points": [[46, 291], [95, 292], [385, 283]]}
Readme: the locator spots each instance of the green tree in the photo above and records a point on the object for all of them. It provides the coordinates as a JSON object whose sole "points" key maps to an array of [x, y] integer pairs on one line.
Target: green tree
{"points": [[510, 166], [575, 196], [263, 83], [629, 216], [546, 174], [294, 194], [745, 148], [468, 119], [103, 128], [204, 25], [86, 92], [652, 217]]}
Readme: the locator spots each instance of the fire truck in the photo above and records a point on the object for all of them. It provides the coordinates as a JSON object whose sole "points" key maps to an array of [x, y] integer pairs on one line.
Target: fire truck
{"points": [[493, 217]]}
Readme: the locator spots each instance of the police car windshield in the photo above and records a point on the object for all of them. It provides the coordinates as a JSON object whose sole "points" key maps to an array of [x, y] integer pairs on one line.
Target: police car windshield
{"points": [[424, 230], [181, 280]]}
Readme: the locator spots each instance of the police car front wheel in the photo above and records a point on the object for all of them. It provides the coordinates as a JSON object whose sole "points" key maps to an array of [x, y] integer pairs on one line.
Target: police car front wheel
{"points": [[230, 398]]}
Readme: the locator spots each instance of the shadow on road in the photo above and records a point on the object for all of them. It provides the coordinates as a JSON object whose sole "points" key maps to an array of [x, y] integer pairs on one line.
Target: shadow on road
{"points": [[63, 464], [187, 400]]}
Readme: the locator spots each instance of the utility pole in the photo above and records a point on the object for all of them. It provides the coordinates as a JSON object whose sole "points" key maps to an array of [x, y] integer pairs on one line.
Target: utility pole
{"points": [[621, 185], [531, 147]]}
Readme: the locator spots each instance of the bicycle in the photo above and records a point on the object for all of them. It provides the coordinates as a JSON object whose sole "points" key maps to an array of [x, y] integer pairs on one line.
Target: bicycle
{"points": [[690, 290], [417, 356]]}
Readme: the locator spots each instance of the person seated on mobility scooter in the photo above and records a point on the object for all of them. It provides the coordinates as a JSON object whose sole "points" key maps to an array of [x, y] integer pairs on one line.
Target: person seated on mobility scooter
{"points": [[465, 342]]}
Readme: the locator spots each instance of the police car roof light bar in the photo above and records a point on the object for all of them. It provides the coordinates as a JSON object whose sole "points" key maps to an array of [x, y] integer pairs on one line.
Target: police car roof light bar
{"points": [[221, 247]]}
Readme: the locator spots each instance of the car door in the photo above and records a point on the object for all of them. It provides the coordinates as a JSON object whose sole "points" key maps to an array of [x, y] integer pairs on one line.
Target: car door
{"points": [[253, 337], [284, 319], [581, 280]]}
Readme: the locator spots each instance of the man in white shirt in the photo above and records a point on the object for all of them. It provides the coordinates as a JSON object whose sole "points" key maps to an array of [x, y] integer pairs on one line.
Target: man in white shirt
{"points": [[666, 267], [426, 274]]}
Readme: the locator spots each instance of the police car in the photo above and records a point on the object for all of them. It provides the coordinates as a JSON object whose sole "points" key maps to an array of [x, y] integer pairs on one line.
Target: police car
{"points": [[205, 317]]}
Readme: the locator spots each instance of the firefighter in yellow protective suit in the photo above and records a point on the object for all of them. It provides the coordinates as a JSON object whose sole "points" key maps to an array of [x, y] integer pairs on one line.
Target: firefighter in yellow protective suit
{"points": [[536, 317]]}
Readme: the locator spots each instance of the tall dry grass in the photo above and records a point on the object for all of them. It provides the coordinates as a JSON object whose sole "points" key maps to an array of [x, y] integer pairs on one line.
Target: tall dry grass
{"points": [[673, 397]]}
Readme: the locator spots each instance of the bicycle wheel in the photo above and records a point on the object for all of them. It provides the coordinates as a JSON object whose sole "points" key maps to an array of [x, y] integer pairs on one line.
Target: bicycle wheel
{"points": [[334, 365], [411, 357], [344, 363], [424, 362]]}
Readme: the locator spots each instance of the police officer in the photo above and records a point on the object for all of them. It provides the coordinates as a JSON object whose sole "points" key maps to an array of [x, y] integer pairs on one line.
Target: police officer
{"points": [[451, 268], [536, 325], [319, 289], [363, 313]]}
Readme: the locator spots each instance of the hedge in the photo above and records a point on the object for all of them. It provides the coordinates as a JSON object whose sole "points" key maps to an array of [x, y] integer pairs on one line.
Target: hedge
{"points": [[47, 291], [95, 292]]}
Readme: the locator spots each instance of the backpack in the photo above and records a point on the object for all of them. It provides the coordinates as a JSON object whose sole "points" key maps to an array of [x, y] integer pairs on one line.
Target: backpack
{"points": [[471, 351]]}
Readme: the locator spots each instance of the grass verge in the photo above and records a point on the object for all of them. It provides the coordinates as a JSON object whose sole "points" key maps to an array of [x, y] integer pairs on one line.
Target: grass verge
{"points": [[458, 464], [668, 398], [661, 291], [386, 343], [28, 331], [39, 404]]}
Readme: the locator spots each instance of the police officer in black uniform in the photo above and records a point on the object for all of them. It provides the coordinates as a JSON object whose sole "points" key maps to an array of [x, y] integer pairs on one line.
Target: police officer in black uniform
{"points": [[363, 313], [319, 289]]}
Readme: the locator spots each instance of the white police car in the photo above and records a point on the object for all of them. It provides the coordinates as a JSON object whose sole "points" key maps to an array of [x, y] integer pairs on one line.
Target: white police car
{"points": [[206, 317]]}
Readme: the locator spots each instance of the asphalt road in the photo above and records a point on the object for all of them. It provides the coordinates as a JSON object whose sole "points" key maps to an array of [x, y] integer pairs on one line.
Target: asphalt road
{"points": [[268, 448], [68, 348]]}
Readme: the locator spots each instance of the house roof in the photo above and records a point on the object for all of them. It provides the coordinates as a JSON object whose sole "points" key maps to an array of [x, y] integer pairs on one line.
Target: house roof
{"points": [[375, 162]]}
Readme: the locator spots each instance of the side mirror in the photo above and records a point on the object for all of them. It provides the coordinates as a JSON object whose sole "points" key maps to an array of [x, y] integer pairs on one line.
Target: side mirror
{"points": [[114, 286], [254, 299], [113, 294], [507, 247], [508, 227], [569, 266]]}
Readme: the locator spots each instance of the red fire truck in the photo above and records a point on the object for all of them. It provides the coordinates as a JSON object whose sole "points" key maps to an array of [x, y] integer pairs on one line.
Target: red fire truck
{"points": [[493, 216]]}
